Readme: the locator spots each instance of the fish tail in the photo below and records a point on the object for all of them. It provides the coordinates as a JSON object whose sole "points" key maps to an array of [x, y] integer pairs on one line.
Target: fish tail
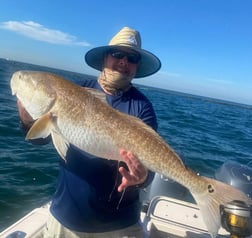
{"points": [[216, 194]]}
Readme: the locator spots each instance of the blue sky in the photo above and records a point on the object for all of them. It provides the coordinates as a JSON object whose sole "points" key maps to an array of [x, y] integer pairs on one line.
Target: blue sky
{"points": [[205, 46]]}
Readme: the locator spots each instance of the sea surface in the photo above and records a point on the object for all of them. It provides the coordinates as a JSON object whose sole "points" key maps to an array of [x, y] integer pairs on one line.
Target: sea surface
{"points": [[205, 132]]}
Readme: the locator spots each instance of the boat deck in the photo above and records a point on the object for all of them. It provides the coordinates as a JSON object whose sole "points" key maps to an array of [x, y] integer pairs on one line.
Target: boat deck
{"points": [[165, 218], [172, 218]]}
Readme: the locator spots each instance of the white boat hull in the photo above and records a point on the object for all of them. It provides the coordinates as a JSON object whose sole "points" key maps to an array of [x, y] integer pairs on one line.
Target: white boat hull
{"points": [[165, 218]]}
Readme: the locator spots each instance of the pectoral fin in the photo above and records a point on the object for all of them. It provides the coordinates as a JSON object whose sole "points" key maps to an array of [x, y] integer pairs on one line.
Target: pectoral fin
{"points": [[98, 94], [60, 144], [45, 126], [41, 128]]}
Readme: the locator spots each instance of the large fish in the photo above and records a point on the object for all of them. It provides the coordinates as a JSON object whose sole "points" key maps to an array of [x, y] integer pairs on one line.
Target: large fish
{"points": [[78, 116]]}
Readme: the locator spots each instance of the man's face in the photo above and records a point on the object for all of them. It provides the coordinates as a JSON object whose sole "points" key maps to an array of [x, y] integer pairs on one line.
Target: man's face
{"points": [[123, 61]]}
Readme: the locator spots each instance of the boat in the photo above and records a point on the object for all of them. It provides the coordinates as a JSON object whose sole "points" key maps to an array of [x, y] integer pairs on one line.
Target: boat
{"points": [[169, 210]]}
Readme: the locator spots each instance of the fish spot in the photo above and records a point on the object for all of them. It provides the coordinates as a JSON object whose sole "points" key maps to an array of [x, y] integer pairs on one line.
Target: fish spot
{"points": [[210, 188]]}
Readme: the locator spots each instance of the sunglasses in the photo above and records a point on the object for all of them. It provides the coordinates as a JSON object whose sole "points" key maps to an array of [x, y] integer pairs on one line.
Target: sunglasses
{"points": [[132, 58]]}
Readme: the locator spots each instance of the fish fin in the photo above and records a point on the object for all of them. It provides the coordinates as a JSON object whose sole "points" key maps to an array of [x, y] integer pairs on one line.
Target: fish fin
{"points": [[60, 144], [217, 193], [41, 128], [98, 94]]}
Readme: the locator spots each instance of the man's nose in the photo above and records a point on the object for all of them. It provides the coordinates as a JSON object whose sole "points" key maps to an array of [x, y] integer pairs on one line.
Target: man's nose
{"points": [[124, 60]]}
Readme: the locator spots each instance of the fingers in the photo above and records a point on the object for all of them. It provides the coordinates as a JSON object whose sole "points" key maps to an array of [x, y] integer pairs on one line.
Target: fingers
{"points": [[123, 185], [126, 174], [133, 164], [136, 173]]}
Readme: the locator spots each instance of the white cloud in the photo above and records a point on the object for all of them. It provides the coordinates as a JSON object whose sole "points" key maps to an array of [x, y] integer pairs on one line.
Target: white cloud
{"points": [[39, 32], [220, 81]]}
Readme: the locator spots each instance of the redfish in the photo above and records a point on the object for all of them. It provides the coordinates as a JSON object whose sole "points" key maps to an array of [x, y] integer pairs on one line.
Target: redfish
{"points": [[79, 116]]}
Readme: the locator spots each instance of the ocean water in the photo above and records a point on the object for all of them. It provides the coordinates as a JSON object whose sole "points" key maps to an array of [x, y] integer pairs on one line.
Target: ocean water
{"points": [[203, 131]]}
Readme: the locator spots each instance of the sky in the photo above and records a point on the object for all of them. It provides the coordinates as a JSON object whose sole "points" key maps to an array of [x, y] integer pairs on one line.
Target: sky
{"points": [[205, 46]]}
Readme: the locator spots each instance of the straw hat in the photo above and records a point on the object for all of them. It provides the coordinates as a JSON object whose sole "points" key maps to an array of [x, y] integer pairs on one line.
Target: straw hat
{"points": [[129, 39]]}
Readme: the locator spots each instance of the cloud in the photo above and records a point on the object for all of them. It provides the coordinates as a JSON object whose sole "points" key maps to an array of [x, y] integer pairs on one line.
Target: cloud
{"points": [[38, 32], [220, 81]]}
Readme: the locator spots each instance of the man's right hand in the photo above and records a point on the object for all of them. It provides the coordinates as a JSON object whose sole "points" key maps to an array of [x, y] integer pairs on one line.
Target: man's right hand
{"points": [[27, 122], [26, 119]]}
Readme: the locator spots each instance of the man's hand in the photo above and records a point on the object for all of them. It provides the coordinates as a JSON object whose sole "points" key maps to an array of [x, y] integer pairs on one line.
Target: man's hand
{"points": [[24, 115], [137, 173]]}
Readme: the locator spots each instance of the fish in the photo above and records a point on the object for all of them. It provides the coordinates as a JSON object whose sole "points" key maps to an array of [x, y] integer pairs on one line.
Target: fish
{"points": [[75, 115]]}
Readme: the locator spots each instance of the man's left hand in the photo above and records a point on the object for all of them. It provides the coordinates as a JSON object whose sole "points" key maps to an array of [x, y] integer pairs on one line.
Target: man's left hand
{"points": [[136, 174]]}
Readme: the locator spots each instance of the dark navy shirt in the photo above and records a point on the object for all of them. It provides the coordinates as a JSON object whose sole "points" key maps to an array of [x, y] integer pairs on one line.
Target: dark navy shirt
{"points": [[86, 198]]}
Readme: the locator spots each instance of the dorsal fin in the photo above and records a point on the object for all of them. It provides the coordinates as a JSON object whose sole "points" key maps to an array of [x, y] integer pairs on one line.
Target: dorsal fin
{"points": [[97, 93]]}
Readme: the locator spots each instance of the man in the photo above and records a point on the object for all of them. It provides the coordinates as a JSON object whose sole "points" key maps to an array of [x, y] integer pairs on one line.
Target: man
{"points": [[97, 197]]}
